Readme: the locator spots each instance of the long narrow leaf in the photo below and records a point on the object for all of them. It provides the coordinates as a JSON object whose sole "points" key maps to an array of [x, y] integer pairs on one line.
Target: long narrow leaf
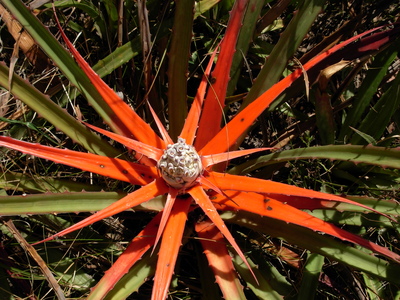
{"points": [[280, 211], [219, 260], [111, 167], [207, 206], [211, 117], [178, 65], [370, 84], [77, 202], [32, 184], [142, 148], [246, 35], [311, 274], [169, 204], [55, 114], [376, 121], [384, 157], [318, 243], [243, 184], [229, 135], [285, 48], [136, 277], [57, 203], [163, 131], [138, 246], [125, 120], [170, 244], [271, 285], [133, 199], [59, 55], [212, 159], [190, 127]]}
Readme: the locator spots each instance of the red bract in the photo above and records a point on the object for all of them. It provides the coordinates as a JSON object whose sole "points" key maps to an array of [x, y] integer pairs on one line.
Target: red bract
{"points": [[183, 170]]}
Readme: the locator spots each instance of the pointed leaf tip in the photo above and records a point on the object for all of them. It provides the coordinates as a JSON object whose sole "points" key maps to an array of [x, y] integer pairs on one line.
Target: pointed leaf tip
{"points": [[202, 199], [170, 245]]}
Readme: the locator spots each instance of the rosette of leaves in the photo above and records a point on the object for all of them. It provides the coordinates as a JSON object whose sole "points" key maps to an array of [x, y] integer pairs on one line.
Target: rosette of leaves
{"points": [[180, 172]]}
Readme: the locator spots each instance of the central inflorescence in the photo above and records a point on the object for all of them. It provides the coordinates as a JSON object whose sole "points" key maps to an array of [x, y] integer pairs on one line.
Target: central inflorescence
{"points": [[180, 165]]}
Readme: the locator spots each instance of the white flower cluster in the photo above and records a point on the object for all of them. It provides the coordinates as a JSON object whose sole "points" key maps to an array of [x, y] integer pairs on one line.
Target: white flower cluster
{"points": [[180, 165]]}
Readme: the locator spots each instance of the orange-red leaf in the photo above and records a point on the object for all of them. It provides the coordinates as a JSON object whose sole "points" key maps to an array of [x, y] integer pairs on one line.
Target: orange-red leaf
{"points": [[139, 245], [163, 131], [190, 127], [170, 244], [249, 184], [220, 261], [211, 117], [111, 167], [144, 149], [272, 208], [298, 202], [213, 159], [207, 184], [166, 213], [125, 121], [145, 193], [228, 135], [207, 206]]}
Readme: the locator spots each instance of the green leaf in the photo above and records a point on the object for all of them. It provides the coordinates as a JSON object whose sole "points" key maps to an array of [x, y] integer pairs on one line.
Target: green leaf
{"points": [[67, 202], [244, 39], [137, 275], [366, 137], [57, 203], [310, 279], [55, 114], [318, 243], [352, 218], [23, 182], [107, 65], [378, 118], [385, 157], [203, 6], [263, 288], [85, 6], [369, 87], [178, 66], [285, 49], [60, 56], [67, 270]]}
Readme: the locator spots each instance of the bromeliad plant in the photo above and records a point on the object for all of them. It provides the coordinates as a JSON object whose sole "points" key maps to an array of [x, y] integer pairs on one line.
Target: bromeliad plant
{"points": [[184, 167]]}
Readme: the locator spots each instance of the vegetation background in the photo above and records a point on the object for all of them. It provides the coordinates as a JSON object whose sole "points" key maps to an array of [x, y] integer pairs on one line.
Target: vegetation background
{"points": [[128, 43]]}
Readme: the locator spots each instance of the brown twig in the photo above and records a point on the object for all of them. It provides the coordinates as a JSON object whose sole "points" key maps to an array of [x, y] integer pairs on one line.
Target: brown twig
{"points": [[33, 253]]}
